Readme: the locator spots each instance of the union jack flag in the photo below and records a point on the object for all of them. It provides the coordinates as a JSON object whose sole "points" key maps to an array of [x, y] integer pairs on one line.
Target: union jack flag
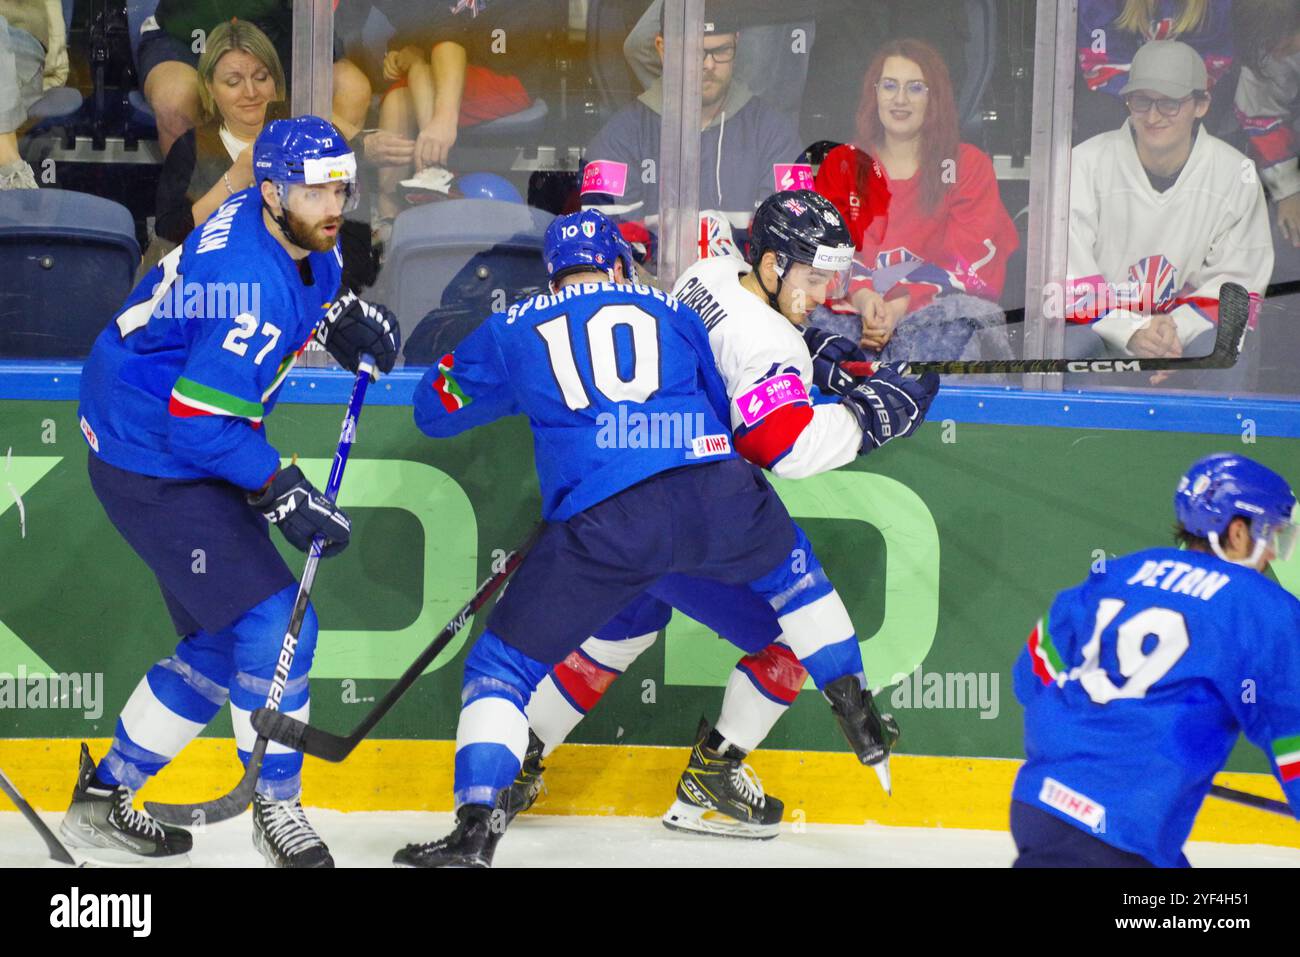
{"points": [[1157, 279], [895, 256]]}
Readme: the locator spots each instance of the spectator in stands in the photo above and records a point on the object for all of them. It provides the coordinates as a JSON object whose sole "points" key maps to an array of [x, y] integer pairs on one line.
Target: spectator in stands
{"points": [[1110, 32], [241, 88], [451, 66], [172, 39], [1268, 102], [745, 147], [33, 58], [1161, 216], [932, 234]]}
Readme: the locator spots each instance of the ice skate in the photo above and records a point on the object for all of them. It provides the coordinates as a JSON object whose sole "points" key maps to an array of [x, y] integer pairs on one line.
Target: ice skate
{"points": [[284, 837], [104, 827], [522, 793], [720, 794], [472, 844], [871, 734]]}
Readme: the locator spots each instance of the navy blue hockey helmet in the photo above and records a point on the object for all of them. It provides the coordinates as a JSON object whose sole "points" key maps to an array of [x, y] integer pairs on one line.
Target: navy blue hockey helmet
{"points": [[305, 150], [1222, 487], [800, 226], [585, 240]]}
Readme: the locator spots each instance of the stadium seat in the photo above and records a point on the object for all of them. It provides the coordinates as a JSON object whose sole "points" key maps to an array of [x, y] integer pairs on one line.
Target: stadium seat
{"points": [[981, 55], [461, 254], [68, 259], [137, 12]]}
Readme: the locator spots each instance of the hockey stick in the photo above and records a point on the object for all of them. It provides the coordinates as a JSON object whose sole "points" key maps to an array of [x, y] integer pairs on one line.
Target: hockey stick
{"points": [[237, 801], [57, 851], [1251, 800], [1234, 313], [319, 743]]}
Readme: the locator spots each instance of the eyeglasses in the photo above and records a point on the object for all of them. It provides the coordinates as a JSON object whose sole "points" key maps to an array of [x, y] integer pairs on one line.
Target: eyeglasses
{"points": [[890, 86], [1140, 105], [722, 54]]}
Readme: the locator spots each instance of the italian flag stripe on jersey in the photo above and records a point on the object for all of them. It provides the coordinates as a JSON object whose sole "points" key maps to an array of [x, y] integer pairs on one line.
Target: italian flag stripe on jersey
{"points": [[1047, 660], [1286, 751], [190, 398], [449, 391]]}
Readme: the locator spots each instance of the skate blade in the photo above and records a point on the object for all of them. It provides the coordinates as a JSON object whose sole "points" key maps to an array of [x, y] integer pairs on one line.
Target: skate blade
{"points": [[882, 772], [689, 819]]}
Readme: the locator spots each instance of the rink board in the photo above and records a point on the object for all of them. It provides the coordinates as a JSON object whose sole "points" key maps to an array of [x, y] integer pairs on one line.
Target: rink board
{"points": [[946, 547]]}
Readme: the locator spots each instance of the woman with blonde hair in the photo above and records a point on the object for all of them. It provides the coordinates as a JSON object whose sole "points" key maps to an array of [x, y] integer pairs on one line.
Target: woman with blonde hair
{"points": [[931, 232], [1110, 32], [241, 89]]}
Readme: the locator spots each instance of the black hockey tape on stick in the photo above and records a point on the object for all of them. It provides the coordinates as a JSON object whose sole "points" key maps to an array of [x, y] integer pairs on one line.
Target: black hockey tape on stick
{"points": [[236, 802], [1251, 800], [319, 743], [1234, 313], [57, 851]]}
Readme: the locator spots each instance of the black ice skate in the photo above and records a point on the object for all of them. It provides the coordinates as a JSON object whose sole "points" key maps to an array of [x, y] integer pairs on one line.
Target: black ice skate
{"points": [[720, 794], [284, 836], [104, 825], [472, 844], [522, 793], [870, 733]]}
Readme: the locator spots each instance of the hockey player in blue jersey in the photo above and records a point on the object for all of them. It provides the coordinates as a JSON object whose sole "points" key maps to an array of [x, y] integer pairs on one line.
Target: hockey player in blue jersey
{"points": [[174, 398], [599, 350], [1138, 681]]}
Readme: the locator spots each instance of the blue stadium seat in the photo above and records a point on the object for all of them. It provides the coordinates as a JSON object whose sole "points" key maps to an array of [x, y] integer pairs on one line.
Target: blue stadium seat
{"points": [[68, 260], [457, 253], [137, 12]]}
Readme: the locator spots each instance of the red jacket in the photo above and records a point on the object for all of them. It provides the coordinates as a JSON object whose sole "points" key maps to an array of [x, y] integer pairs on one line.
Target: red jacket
{"points": [[960, 247]]}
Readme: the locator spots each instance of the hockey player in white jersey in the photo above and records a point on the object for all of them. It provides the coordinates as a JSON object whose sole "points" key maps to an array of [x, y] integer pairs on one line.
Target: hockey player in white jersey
{"points": [[796, 416]]}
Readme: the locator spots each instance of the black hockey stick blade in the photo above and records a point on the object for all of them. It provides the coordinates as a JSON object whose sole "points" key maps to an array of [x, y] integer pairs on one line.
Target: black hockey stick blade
{"points": [[52, 844], [1251, 800], [1234, 313], [221, 809], [328, 746]]}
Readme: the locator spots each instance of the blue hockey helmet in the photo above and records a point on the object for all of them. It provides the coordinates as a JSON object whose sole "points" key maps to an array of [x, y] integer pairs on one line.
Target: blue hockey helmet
{"points": [[1222, 487], [488, 186], [305, 150], [585, 240]]}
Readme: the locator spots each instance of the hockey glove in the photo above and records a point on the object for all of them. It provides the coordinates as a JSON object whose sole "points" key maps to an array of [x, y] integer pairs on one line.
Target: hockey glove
{"points": [[302, 512], [890, 404], [353, 327], [828, 350]]}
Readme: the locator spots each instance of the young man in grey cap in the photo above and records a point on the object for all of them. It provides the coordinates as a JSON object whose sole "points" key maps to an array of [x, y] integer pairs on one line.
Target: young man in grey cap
{"points": [[1162, 213]]}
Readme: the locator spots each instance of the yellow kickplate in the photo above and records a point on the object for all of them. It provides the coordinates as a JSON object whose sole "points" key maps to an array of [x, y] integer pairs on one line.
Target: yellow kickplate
{"points": [[817, 787]]}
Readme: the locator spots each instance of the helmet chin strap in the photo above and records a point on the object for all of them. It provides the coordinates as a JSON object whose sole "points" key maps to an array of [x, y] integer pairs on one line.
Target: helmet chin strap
{"points": [[771, 295], [1251, 562]]}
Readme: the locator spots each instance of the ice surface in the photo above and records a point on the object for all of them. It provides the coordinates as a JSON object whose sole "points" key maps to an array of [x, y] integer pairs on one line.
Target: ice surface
{"points": [[368, 839]]}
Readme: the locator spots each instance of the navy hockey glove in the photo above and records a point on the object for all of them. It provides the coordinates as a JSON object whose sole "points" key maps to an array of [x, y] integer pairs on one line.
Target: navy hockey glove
{"points": [[890, 404], [302, 512], [828, 350], [353, 327]]}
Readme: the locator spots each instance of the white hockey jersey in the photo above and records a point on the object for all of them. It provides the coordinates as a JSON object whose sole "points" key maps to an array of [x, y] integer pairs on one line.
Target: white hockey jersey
{"points": [[1134, 251], [768, 374]]}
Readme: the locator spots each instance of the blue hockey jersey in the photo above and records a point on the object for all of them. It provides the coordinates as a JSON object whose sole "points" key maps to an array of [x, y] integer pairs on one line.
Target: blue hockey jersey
{"points": [[1136, 685], [179, 383], [618, 383]]}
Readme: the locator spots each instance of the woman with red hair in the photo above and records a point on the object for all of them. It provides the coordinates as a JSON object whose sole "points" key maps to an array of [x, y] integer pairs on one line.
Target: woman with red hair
{"points": [[932, 234]]}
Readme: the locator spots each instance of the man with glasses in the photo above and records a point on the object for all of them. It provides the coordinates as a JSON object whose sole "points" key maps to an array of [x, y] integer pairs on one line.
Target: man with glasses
{"points": [[1162, 213], [745, 147]]}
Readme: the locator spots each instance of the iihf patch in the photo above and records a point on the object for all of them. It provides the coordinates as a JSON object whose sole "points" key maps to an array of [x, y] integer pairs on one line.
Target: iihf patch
{"points": [[89, 433]]}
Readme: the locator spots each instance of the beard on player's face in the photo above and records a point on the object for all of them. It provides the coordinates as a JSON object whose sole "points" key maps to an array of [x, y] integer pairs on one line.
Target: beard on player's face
{"points": [[312, 234]]}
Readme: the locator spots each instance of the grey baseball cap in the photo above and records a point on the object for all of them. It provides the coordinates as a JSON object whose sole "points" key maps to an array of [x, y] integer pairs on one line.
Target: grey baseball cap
{"points": [[1167, 67]]}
